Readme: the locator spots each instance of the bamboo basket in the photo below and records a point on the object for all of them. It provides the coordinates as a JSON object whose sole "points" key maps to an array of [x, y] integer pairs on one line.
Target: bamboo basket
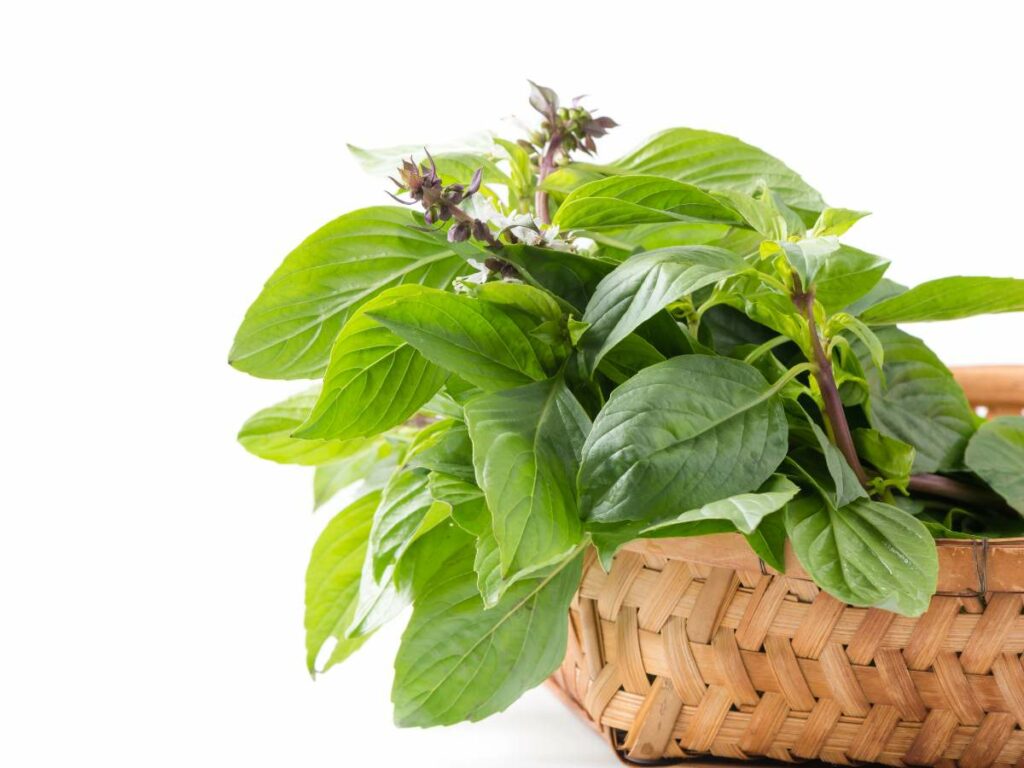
{"points": [[693, 649]]}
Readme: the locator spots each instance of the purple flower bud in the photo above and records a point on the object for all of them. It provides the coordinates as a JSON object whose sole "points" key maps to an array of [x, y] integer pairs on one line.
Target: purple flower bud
{"points": [[481, 231], [458, 233]]}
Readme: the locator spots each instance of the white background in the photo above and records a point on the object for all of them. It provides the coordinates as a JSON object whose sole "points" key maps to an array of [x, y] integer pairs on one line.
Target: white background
{"points": [[159, 159]]}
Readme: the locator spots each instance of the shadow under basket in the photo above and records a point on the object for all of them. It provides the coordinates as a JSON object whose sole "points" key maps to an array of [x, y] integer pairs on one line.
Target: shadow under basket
{"points": [[693, 650]]}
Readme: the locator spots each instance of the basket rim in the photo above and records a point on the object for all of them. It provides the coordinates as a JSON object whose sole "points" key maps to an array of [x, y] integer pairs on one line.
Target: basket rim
{"points": [[966, 566]]}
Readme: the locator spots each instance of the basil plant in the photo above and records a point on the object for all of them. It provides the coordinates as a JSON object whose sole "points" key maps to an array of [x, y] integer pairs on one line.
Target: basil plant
{"points": [[528, 354]]}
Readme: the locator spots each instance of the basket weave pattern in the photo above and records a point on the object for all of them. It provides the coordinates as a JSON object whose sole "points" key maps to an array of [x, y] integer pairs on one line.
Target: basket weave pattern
{"points": [[675, 657]]}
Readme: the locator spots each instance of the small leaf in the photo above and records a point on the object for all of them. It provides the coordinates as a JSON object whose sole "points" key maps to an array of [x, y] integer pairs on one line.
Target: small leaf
{"points": [[268, 434], [836, 221], [949, 298], [681, 434], [893, 458], [996, 455], [526, 448], [745, 511], [847, 275], [866, 553], [806, 257], [461, 661], [642, 286], [472, 338]]}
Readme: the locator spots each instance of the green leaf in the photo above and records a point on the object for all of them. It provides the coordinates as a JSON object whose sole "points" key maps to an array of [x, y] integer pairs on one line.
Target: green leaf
{"points": [[374, 380], [332, 580], [920, 402], [268, 434], [806, 257], [949, 298], [460, 661], [568, 276], [836, 221], [618, 244], [564, 180], [623, 201], [845, 486], [642, 286], [866, 553], [403, 507], [769, 540], [680, 434], [475, 339], [745, 511], [847, 275], [716, 161], [521, 175], [893, 458], [452, 490], [526, 448], [526, 298], [448, 450], [884, 289], [289, 330], [996, 455]]}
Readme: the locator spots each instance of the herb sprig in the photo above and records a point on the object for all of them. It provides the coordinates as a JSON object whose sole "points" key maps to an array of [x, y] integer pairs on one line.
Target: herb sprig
{"points": [[534, 355]]}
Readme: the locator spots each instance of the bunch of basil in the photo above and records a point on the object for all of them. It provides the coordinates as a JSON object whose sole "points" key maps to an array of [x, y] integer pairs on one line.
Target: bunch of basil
{"points": [[685, 348]]}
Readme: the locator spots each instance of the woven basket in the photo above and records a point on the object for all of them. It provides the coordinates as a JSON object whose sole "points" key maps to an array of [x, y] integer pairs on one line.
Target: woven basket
{"points": [[693, 648]]}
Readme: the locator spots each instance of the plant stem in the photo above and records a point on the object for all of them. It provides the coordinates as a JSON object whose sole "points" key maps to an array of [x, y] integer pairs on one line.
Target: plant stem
{"points": [[835, 416], [547, 165], [947, 487]]}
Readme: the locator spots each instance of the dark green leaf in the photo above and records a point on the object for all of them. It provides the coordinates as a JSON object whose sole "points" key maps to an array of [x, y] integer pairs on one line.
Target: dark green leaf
{"points": [[526, 448], [996, 455], [866, 553], [569, 276], [642, 286], [678, 435], [920, 403], [769, 540]]}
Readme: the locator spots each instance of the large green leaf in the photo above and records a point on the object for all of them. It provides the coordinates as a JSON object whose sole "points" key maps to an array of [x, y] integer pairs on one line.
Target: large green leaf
{"points": [[526, 449], [996, 455], [461, 661], [949, 298], [374, 380], [716, 161], [618, 244], [475, 339], [620, 201], [289, 330], [268, 434], [642, 286], [919, 402], [678, 435], [332, 580], [744, 511], [866, 553]]}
